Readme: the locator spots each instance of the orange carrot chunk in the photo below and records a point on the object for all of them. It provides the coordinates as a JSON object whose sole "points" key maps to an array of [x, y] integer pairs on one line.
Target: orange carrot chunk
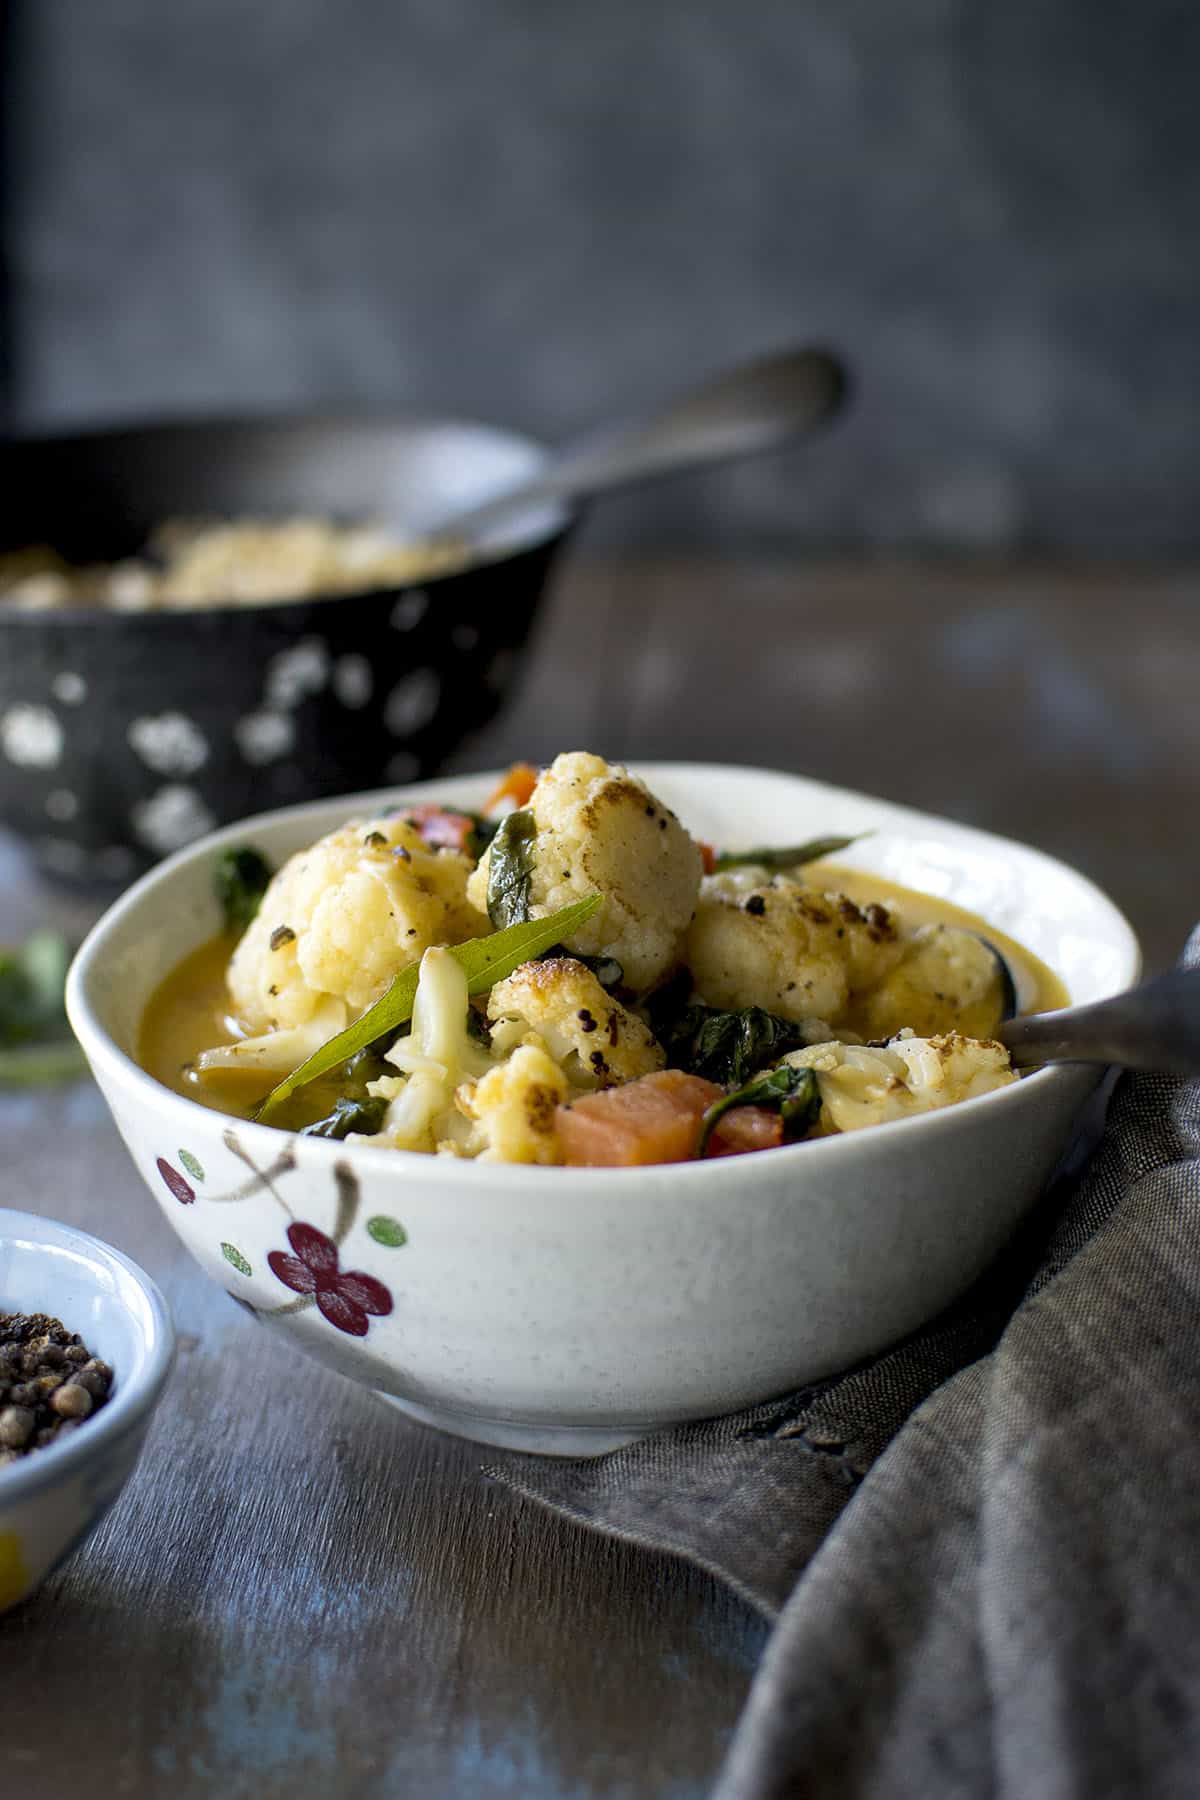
{"points": [[517, 786], [655, 1119], [745, 1128], [708, 856]]}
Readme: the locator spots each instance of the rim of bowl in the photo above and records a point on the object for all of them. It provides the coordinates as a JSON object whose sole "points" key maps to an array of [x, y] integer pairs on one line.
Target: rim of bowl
{"points": [[564, 514], [133, 1400], [449, 1171]]}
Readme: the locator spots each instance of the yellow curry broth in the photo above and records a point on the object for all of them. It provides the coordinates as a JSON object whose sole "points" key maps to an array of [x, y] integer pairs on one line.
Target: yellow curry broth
{"points": [[189, 1011], [1038, 987]]}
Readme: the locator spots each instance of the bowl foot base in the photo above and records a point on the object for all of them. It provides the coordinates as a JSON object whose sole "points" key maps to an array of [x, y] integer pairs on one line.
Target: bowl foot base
{"points": [[511, 1434]]}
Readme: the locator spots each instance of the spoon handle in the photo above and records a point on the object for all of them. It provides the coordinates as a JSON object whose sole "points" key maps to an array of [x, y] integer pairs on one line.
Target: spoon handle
{"points": [[749, 409], [1156, 1026]]}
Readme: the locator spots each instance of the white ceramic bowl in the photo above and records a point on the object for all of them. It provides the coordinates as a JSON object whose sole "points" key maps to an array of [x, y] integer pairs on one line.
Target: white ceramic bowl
{"points": [[568, 1310], [51, 1500]]}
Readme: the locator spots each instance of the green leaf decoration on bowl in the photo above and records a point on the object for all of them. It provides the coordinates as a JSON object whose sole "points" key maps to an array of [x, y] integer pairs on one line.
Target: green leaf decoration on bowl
{"points": [[192, 1164], [388, 1232], [233, 1255]]}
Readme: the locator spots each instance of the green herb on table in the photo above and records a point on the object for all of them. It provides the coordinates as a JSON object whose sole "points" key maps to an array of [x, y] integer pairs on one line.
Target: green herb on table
{"points": [[780, 860], [792, 1093], [241, 878], [36, 1046], [510, 870], [484, 961]]}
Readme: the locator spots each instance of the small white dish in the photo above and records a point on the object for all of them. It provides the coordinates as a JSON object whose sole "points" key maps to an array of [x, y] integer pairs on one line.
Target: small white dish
{"points": [[51, 1499], [570, 1310]]}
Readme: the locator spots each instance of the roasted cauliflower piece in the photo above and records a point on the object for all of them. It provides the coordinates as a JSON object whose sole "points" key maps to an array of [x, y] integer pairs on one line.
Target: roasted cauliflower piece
{"points": [[435, 1058], [343, 917], [867, 1084], [600, 829], [515, 1108], [945, 976], [777, 944], [595, 1040]]}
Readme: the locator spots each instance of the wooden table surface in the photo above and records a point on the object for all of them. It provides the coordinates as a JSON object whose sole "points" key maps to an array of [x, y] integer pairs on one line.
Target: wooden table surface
{"points": [[300, 1593]]}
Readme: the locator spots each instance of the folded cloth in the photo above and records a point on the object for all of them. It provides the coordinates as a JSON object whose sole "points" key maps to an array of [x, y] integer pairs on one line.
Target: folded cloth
{"points": [[983, 1548]]}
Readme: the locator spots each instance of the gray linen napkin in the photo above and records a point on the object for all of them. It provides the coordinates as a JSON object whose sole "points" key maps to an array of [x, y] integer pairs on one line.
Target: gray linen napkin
{"points": [[982, 1549]]}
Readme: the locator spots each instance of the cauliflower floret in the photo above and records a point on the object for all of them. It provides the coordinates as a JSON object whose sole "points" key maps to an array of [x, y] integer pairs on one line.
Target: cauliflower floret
{"points": [[435, 1058], [343, 917], [595, 1040], [515, 1107], [865, 1084], [780, 945], [600, 829], [945, 978]]}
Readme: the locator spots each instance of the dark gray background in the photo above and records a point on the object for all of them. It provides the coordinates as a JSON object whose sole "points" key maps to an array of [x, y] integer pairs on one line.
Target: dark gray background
{"points": [[545, 211]]}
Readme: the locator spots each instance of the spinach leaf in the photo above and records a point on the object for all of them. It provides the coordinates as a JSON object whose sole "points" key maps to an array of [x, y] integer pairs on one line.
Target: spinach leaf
{"points": [[483, 830], [511, 870], [240, 878], [793, 1093], [350, 1114], [784, 859], [722, 1046], [484, 961], [368, 1065], [36, 1045], [32, 979]]}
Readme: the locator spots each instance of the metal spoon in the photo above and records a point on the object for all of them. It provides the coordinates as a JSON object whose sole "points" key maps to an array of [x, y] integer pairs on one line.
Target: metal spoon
{"points": [[743, 412], [1156, 1026]]}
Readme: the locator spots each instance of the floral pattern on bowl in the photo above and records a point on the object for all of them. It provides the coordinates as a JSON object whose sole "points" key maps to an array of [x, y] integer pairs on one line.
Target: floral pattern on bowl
{"points": [[348, 1298]]}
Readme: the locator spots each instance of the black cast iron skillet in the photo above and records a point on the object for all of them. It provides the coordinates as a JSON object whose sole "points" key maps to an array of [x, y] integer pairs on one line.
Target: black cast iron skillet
{"points": [[123, 735]]}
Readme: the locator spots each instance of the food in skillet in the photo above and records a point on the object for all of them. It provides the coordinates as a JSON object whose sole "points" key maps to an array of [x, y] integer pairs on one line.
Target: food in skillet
{"points": [[227, 562], [571, 978]]}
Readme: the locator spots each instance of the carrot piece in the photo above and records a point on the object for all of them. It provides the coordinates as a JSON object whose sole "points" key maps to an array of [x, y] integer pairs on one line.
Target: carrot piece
{"points": [[745, 1128], [708, 857], [655, 1119], [517, 786]]}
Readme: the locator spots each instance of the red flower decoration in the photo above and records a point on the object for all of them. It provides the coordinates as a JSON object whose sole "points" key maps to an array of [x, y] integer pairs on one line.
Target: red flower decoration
{"points": [[345, 1296], [182, 1191]]}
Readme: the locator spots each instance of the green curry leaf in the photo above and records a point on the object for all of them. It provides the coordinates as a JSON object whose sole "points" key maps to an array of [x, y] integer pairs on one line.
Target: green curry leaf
{"points": [[510, 870], [484, 961], [778, 860], [793, 1093]]}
